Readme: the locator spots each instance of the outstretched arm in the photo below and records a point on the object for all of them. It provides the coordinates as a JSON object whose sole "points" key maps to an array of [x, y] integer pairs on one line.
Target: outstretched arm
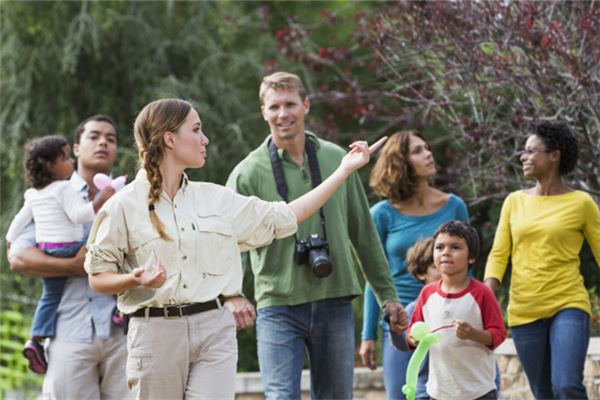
{"points": [[311, 202]]}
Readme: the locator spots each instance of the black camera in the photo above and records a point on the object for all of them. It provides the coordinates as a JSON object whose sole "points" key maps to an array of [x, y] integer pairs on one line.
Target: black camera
{"points": [[314, 251]]}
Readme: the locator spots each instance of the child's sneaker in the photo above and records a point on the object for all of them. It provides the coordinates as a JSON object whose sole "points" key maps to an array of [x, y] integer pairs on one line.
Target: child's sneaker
{"points": [[117, 317], [34, 353]]}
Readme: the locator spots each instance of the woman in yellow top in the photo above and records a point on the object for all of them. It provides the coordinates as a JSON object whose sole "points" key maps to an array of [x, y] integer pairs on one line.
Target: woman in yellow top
{"points": [[542, 230], [170, 248]]}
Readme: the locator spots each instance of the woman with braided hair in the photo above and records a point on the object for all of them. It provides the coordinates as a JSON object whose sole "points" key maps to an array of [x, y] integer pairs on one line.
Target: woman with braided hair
{"points": [[541, 230], [170, 248]]}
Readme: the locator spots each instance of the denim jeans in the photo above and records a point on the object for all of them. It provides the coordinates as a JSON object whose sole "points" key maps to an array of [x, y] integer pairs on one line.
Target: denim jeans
{"points": [[324, 330], [552, 352], [44, 319]]}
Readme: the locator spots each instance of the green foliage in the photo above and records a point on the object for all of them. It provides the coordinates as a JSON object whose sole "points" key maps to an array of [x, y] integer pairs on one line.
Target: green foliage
{"points": [[64, 61], [14, 372], [371, 69], [473, 77]]}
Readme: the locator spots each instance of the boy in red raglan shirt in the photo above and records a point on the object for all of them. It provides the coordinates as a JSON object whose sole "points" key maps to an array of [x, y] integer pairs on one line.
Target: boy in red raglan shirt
{"points": [[461, 365]]}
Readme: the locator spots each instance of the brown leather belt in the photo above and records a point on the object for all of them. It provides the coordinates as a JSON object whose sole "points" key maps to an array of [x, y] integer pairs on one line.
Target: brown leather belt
{"points": [[178, 311]]}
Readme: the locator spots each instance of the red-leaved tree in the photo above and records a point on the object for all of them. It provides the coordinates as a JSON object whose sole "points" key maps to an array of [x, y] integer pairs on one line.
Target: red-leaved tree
{"points": [[480, 72]]}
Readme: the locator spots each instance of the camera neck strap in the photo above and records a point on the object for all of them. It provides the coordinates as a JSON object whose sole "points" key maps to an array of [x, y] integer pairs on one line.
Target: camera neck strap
{"points": [[315, 173]]}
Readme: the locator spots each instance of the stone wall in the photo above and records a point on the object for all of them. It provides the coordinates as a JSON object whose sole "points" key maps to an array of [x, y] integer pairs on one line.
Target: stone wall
{"points": [[514, 385], [368, 385]]}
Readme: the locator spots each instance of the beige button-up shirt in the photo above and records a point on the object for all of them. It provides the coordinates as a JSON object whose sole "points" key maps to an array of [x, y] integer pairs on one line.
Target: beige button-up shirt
{"points": [[209, 225]]}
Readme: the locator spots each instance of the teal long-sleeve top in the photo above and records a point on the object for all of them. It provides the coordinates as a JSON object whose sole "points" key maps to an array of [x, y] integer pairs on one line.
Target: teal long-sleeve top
{"points": [[278, 279], [398, 232]]}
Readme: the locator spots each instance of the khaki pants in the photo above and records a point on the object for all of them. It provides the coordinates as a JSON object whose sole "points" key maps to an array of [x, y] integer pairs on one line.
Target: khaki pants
{"points": [[87, 371], [192, 357]]}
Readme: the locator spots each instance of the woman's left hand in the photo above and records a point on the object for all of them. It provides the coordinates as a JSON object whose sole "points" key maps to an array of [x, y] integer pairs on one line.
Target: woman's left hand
{"points": [[368, 354], [359, 154], [153, 277], [242, 310]]}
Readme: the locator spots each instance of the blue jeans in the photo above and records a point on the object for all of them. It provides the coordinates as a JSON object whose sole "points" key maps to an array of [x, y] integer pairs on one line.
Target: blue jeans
{"points": [[553, 352], [324, 330], [44, 319]]}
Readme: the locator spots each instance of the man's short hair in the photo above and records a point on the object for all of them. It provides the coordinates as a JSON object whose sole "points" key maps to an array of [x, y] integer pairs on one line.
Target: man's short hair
{"points": [[419, 257], [281, 80], [98, 117], [465, 231]]}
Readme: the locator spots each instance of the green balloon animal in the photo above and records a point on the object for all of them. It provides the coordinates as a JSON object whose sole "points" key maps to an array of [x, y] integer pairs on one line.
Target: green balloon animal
{"points": [[420, 333]]}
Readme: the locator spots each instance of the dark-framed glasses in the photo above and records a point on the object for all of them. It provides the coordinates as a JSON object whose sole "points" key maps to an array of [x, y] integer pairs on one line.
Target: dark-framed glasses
{"points": [[529, 151]]}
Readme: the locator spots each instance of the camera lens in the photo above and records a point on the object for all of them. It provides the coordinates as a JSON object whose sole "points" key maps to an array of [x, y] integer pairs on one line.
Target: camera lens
{"points": [[320, 263]]}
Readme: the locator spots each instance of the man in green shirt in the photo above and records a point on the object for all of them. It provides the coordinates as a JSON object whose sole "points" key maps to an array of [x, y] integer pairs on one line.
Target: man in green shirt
{"points": [[298, 310]]}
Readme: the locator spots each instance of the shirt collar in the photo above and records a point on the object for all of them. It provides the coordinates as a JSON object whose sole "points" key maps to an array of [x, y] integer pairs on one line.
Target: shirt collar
{"points": [[309, 136], [142, 177], [79, 183]]}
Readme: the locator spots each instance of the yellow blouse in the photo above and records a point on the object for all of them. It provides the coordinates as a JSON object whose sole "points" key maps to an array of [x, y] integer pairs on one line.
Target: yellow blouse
{"points": [[543, 236]]}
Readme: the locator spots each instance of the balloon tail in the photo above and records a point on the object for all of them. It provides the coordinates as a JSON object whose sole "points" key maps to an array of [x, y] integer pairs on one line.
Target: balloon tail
{"points": [[442, 327]]}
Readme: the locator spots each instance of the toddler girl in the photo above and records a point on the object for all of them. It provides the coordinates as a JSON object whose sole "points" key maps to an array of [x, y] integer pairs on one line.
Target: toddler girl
{"points": [[58, 211]]}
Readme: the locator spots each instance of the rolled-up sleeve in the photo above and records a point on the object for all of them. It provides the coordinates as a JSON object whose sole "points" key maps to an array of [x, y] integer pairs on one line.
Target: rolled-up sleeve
{"points": [[107, 242], [257, 222]]}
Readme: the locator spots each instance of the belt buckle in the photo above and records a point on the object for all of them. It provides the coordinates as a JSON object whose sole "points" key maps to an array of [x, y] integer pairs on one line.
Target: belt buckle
{"points": [[166, 312]]}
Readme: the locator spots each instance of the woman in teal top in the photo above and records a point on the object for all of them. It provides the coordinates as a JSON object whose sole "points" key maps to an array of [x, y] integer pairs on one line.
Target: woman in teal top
{"points": [[413, 209]]}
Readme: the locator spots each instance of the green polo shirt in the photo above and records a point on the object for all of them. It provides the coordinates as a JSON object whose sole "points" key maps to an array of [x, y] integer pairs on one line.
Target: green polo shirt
{"points": [[278, 279]]}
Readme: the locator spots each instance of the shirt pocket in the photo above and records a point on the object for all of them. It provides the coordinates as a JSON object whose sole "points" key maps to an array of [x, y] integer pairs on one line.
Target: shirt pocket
{"points": [[144, 248], [215, 245]]}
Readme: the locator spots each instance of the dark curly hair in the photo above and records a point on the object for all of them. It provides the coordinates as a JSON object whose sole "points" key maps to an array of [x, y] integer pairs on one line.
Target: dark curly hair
{"points": [[40, 153], [462, 230], [558, 136]]}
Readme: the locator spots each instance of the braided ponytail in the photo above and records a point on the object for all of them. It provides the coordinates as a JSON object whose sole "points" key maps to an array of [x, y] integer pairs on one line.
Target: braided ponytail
{"points": [[151, 123], [151, 163]]}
